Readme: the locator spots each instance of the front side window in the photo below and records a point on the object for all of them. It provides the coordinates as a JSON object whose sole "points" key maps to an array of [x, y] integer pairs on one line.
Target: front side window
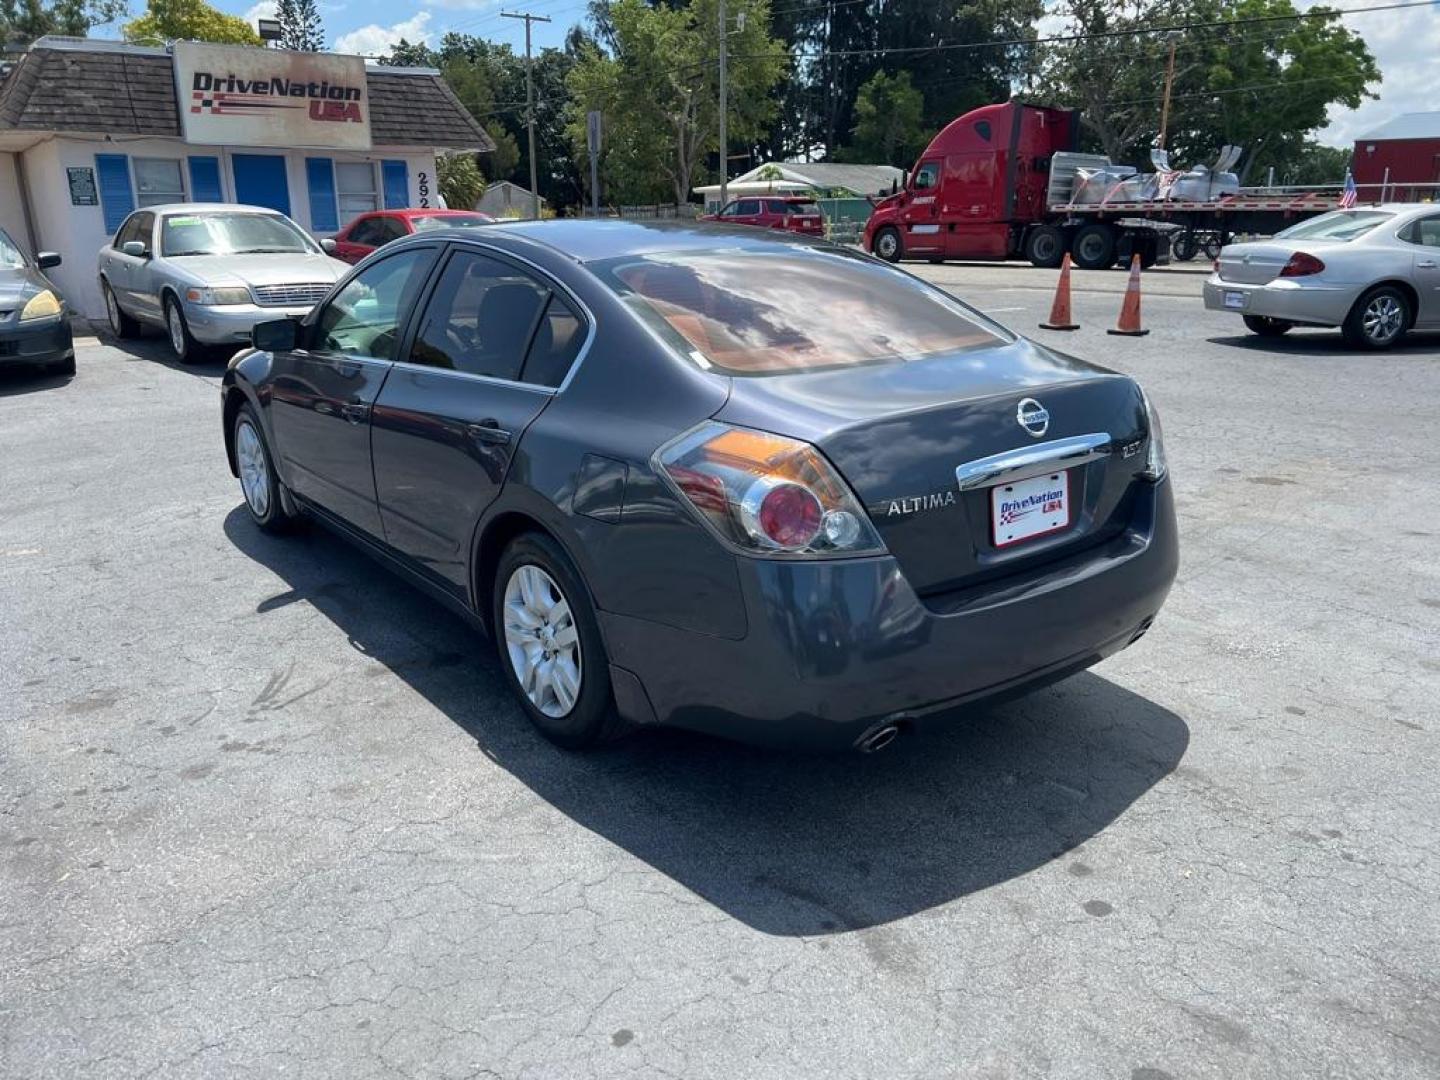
{"points": [[355, 189], [480, 319], [141, 229], [927, 176], [236, 232], [1339, 225], [837, 310], [391, 228], [129, 230], [365, 317], [158, 181]]}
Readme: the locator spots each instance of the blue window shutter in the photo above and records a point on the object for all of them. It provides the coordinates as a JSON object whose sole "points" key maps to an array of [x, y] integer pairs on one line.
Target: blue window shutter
{"points": [[320, 178], [117, 197], [260, 180], [205, 180], [397, 185]]}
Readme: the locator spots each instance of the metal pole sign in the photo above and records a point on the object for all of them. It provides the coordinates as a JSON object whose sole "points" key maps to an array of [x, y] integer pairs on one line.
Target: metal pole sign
{"points": [[592, 138]]}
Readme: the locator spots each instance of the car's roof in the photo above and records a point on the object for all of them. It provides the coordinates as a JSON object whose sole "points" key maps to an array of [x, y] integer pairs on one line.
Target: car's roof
{"points": [[204, 207], [590, 240]]}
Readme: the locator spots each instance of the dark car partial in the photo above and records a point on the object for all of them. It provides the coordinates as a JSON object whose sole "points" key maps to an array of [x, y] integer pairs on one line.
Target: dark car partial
{"points": [[746, 484], [34, 319]]}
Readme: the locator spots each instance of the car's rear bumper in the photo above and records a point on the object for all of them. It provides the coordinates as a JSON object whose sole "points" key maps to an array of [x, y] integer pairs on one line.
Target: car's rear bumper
{"points": [[836, 648], [231, 324], [33, 344], [1284, 298]]}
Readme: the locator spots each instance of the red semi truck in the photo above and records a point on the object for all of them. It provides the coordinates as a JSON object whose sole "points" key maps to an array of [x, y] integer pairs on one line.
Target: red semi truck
{"points": [[1000, 182]]}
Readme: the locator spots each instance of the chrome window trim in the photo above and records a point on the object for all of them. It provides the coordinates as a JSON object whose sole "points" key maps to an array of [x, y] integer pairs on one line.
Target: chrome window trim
{"points": [[555, 284], [1034, 460]]}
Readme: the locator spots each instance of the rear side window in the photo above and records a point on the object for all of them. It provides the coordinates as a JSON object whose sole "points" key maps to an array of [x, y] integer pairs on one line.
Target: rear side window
{"points": [[747, 207], [480, 319], [556, 345], [836, 310], [777, 206], [802, 206], [366, 231]]}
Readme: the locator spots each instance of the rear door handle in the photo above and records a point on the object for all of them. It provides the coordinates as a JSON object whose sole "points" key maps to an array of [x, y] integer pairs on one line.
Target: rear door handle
{"points": [[488, 431], [355, 412]]}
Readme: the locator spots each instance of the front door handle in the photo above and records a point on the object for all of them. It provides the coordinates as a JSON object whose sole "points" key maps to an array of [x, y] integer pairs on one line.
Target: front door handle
{"points": [[488, 431], [355, 412], [1428, 264]]}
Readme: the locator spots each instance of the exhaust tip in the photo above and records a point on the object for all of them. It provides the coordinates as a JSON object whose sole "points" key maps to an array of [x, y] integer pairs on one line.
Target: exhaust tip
{"points": [[873, 742]]}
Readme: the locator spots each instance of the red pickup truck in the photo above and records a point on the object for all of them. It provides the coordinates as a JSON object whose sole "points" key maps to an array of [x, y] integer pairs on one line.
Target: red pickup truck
{"points": [[793, 213]]}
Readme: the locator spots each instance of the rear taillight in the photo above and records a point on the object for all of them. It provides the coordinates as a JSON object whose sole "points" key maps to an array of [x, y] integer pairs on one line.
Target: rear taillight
{"points": [[1302, 265], [767, 494], [1155, 464]]}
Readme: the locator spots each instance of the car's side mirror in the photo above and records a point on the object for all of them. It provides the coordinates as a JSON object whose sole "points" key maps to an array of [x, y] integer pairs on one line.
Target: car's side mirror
{"points": [[46, 259], [328, 246], [277, 335], [133, 247]]}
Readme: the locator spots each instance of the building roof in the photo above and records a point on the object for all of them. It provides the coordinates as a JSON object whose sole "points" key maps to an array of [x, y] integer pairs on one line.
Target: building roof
{"points": [[77, 85], [861, 179], [1415, 125]]}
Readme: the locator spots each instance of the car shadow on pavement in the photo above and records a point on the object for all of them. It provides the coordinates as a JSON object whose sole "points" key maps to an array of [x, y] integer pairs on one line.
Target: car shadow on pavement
{"points": [[153, 348], [787, 844], [1325, 343], [23, 380]]}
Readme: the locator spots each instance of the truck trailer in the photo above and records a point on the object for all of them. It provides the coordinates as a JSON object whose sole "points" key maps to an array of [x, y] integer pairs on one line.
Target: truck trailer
{"points": [[1002, 182]]}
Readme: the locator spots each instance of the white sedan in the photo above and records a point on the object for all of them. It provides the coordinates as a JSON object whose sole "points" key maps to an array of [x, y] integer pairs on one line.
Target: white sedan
{"points": [[1372, 271]]}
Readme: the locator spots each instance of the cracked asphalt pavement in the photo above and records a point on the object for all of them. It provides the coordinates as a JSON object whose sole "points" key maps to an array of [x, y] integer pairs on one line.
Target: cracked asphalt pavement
{"points": [[265, 810]]}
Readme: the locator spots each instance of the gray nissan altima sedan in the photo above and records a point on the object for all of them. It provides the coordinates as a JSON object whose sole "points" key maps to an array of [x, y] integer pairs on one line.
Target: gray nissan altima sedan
{"points": [[720, 479]]}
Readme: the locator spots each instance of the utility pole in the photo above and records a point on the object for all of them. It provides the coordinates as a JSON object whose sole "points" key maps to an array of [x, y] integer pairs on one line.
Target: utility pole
{"points": [[530, 105], [724, 111], [1169, 83]]}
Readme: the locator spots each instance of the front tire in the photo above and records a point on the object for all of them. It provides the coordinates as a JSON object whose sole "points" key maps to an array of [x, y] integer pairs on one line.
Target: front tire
{"points": [[549, 643], [121, 325], [259, 482], [1378, 320], [887, 245], [186, 349], [1266, 326]]}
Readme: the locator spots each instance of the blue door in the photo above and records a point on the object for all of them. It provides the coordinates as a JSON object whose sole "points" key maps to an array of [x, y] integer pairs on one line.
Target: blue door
{"points": [[260, 181]]}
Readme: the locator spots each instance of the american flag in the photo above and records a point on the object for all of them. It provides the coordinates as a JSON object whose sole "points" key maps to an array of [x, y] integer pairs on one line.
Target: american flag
{"points": [[1347, 197]]}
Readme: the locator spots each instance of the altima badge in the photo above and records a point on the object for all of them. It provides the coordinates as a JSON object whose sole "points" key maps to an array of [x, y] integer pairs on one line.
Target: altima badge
{"points": [[1032, 416], [921, 502]]}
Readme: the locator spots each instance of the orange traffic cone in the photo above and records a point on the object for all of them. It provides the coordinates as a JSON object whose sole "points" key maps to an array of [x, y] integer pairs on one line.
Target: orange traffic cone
{"points": [[1129, 324], [1060, 310]]}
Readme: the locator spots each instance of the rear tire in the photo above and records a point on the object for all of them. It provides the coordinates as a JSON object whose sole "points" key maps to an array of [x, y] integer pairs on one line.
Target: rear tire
{"points": [[1378, 320], [549, 644], [887, 245], [1094, 247], [121, 325], [1266, 326], [1045, 247], [1185, 248]]}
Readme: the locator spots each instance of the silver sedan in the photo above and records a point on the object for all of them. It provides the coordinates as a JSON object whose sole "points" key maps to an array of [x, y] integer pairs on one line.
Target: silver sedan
{"points": [[1372, 271], [208, 272]]}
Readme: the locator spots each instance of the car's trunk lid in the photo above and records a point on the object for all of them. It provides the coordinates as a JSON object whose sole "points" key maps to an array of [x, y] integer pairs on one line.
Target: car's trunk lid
{"points": [[899, 432], [1257, 263]]}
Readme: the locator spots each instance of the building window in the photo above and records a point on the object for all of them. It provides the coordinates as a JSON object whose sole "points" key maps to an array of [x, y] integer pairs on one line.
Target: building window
{"points": [[355, 189], [157, 181]]}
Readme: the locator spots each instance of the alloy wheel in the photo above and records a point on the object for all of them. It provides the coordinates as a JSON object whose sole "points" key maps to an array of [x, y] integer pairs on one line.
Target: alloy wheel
{"points": [[1383, 319], [176, 325], [254, 472], [112, 309], [542, 641]]}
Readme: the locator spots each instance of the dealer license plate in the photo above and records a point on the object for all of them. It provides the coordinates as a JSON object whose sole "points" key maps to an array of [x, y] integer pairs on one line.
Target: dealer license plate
{"points": [[1029, 508], [1234, 300]]}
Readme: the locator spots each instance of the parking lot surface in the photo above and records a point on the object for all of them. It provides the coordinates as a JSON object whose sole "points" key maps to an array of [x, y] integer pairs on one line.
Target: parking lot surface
{"points": [[265, 810]]}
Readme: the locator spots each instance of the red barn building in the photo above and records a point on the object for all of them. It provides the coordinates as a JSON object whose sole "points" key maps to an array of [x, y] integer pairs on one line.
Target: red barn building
{"points": [[1409, 148]]}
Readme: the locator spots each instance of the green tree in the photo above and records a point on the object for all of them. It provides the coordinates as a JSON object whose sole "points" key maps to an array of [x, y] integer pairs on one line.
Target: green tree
{"points": [[461, 183], [190, 20], [22, 21], [300, 27], [1264, 86], [1315, 165], [656, 86], [890, 126]]}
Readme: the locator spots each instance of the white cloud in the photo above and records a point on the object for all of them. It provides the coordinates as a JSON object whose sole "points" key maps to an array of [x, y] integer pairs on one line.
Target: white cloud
{"points": [[462, 5], [375, 40], [1405, 44], [265, 9]]}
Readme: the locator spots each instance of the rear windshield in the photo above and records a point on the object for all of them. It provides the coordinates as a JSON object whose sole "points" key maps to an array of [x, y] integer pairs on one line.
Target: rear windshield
{"points": [[776, 311], [799, 206], [447, 221], [1341, 225]]}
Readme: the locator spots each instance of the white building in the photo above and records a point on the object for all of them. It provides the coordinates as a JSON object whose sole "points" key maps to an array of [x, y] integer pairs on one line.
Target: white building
{"points": [[801, 177], [90, 130]]}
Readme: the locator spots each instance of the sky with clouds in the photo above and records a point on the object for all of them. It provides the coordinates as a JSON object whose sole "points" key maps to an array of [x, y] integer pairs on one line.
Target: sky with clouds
{"points": [[1406, 43]]}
